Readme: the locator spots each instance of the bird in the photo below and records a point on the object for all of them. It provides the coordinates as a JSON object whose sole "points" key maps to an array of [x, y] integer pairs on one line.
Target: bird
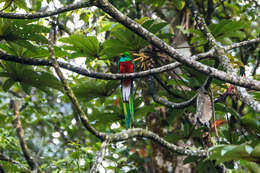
{"points": [[127, 65]]}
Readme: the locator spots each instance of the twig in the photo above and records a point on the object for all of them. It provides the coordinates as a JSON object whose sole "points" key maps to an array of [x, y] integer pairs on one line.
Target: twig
{"points": [[165, 87], [8, 5], [20, 134], [68, 90], [243, 43], [100, 156], [256, 66]]}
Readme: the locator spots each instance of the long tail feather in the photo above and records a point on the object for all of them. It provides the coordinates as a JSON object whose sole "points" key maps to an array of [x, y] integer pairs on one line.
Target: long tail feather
{"points": [[127, 114], [131, 106]]}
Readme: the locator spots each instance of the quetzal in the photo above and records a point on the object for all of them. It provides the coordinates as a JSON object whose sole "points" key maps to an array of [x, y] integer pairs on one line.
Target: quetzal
{"points": [[126, 65]]}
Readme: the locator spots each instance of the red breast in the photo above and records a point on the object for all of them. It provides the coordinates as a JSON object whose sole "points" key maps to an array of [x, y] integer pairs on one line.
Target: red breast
{"points": [[126, 67]]}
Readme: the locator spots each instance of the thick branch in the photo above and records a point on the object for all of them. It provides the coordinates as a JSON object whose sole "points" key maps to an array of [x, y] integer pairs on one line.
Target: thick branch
{"points": [[20, 134], [69, 91], [135, 27], [47, 13], [138, 132]]}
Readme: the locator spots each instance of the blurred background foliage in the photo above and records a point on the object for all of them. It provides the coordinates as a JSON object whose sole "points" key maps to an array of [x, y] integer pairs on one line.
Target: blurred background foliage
{"points": [[94, 40]]}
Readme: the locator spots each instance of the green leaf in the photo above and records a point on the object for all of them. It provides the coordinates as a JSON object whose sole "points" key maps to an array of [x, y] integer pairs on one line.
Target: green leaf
{"points": [[251, 123], [256, 151], [84, 45], [251, 166], [142, 111], [189, 159], [179, 4], [114, 47], [26, 88], [91, 89], [8, 84], [4, 74], [157, 27]]}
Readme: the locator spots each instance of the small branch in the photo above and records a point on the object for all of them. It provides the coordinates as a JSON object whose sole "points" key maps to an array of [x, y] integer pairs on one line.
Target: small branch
{"points": [[100, 156], [4, 157], [138, 132], [243, 43], [69, 91], [20, 134], [165, 102], [165, 87], [256, 66], [8, 5], [47, 13]]}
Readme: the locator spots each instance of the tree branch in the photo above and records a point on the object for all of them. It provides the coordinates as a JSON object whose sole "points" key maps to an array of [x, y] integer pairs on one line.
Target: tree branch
{"points": [[165, 102], [47, 13], [89, 73], [242, 43], [223, 59], [20, 134], [4, 157], [138, 132], [100, 156], [69, 91], [135, 27]]}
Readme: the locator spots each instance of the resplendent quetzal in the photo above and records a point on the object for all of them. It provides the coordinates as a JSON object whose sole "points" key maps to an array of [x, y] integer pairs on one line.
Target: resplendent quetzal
{"points": [[126, 65]]}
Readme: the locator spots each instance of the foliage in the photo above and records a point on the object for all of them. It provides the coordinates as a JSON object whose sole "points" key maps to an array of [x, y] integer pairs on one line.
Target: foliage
{"points": [[92, 39]]}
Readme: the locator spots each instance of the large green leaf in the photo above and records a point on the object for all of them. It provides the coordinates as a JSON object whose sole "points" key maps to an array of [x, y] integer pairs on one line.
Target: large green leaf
{"points": [[27, 76], [224, 153], [91, 89], [83, 45], [114, 47]]}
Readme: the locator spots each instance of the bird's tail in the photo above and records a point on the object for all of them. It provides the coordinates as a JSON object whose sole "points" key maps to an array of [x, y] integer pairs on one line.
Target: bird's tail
{"points": [[129, 111]]}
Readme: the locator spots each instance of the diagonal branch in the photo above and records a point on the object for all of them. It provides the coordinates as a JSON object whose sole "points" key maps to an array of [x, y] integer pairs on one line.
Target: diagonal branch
{"points": [[69, 91], [223, 59], [47, 13], [20, 133]]}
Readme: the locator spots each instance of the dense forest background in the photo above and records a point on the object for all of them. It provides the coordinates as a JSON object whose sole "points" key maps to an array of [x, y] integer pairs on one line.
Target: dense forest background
{"points": [[196, 86]]}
